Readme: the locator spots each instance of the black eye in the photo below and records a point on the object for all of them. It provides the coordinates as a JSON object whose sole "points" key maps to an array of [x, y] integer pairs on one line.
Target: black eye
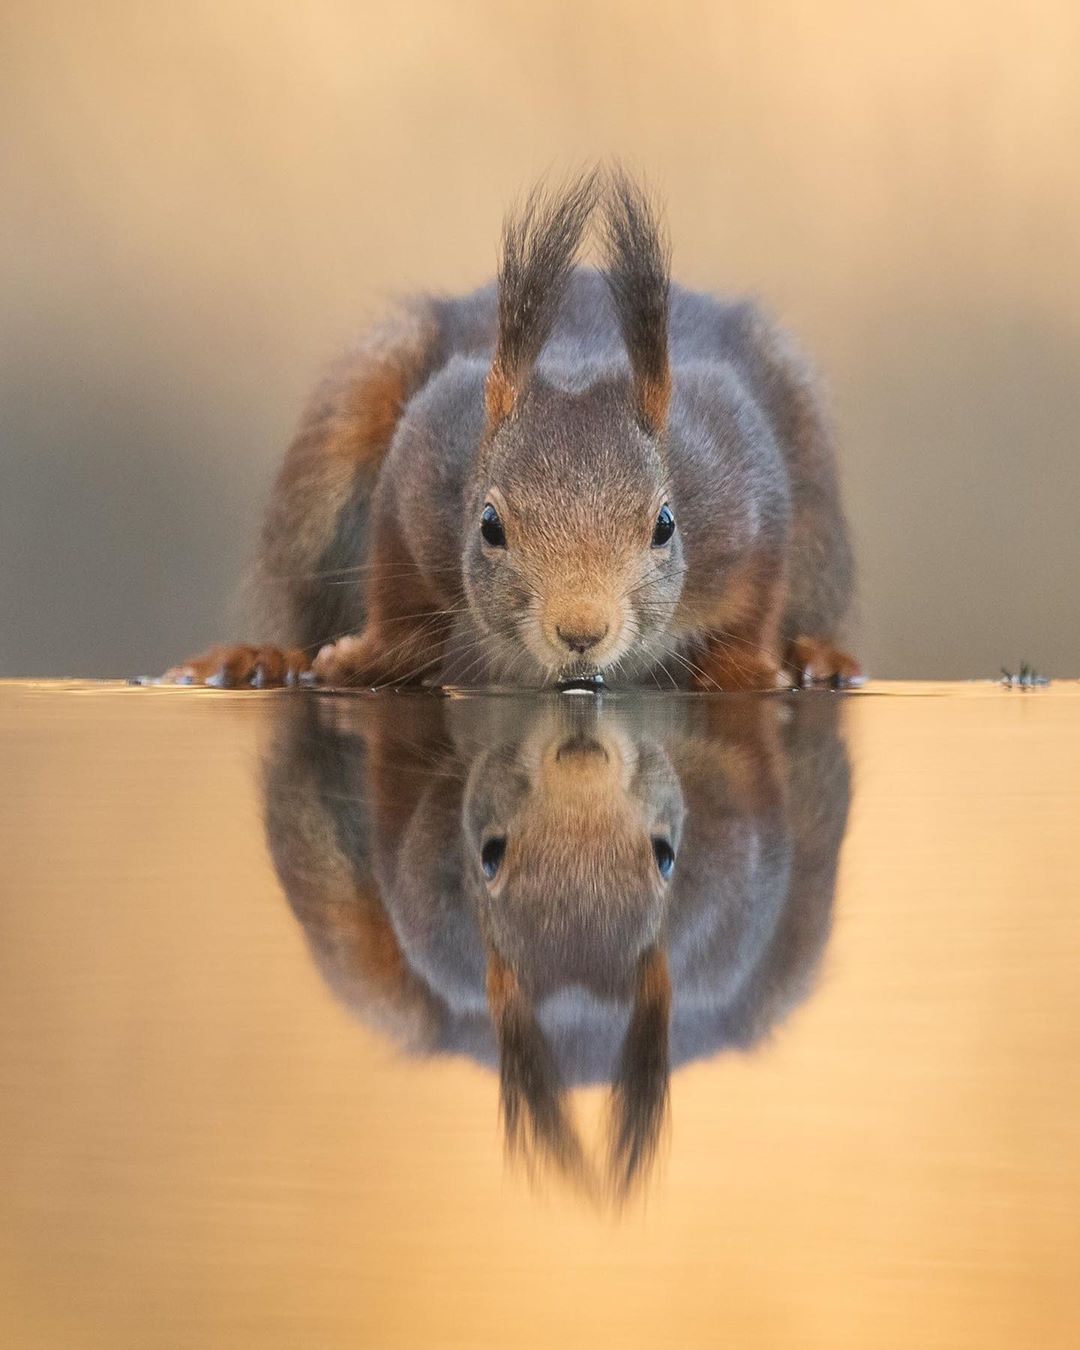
{"points": [[491, 856], [664, 855], [665, 527], [491, 527]]}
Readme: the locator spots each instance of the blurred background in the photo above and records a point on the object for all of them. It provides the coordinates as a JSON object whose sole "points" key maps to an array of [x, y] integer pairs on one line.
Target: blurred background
{"points": [[202, 203]]}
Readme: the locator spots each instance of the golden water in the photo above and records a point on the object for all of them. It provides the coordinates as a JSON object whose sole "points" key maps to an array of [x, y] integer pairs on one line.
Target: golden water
{"points": [[248, 1092]]}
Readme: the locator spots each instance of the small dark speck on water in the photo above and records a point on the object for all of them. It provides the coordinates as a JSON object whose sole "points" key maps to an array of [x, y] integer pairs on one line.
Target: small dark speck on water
{"points": [[1027, 678]]}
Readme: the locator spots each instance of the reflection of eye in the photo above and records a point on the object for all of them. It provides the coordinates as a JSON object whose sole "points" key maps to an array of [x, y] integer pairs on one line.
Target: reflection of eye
{"points": [[491, 856], [664, 855]]}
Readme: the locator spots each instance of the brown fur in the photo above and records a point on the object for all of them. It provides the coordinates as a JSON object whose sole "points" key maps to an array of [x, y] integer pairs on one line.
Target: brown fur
{"points": [[640, 1098], [581, 404], [500, 395], [654, 398]]}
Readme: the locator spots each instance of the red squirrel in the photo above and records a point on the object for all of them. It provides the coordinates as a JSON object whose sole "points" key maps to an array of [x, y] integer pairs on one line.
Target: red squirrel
{"points": [[568, 890], [569, 474]]}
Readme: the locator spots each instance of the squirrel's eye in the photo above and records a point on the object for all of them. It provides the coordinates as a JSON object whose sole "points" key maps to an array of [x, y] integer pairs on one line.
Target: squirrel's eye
{"points": [[491, 856], [491, 527], [665, 527], [664, 855]]}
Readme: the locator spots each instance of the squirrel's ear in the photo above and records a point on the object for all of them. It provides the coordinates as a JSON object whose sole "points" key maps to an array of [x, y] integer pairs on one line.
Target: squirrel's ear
{"points": [[539, 245], [534, 1114], [638, 273], [640, 1093]]}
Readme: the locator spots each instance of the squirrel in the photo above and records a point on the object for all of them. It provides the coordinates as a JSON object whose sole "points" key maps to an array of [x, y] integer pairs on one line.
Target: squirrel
{"points": [[568, 891], [569, 474]]}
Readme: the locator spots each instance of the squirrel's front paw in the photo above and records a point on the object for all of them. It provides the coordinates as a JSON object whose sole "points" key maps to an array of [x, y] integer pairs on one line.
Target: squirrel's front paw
{"points": [[348, 661], [240, 665], [817, 661]]}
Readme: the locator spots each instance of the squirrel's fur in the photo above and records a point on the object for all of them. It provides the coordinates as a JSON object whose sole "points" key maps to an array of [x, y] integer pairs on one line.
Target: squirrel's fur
{"points": [[575, 404]]}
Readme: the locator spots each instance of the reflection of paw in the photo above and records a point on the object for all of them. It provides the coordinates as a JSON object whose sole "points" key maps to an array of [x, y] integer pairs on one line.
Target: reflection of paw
{"points": [[239, 666], [817, 661], [347, 661]]}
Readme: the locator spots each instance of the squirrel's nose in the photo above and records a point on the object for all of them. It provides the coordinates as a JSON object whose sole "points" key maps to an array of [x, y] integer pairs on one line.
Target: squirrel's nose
{"points": [[580, 745], [581, 642]]}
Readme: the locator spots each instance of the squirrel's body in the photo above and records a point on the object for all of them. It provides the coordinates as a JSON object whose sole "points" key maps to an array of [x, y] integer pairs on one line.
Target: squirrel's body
{"points": [[569, 406]]}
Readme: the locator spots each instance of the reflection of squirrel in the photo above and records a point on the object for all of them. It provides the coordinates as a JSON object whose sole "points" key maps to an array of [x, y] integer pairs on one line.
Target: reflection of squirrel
{"points": [[602, 886], [567, 473]]}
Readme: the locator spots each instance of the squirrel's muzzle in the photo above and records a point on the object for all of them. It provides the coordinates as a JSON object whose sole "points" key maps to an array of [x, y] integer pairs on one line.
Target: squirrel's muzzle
{"points": [[581, 642], [577, 626]]}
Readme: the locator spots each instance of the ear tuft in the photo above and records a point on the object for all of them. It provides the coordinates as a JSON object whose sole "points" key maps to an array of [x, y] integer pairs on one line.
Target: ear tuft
{"points": [[535, 1120], [540, 244], [638, 274], [640, 1096]]}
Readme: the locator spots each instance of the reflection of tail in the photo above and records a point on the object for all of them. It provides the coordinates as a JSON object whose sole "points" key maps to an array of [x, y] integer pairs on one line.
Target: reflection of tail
{"points": [[535, 1117], [640, 1096], [533, 1105]]}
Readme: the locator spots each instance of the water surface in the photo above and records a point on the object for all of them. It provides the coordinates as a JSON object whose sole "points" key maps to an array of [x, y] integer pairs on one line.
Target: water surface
{"points": [[778, 994]]}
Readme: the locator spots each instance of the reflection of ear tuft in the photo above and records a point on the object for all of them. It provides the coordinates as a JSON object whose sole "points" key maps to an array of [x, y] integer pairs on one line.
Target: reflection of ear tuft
{"points": [[539, 246], [638, 273], [639, 1102], [535, 1120]]}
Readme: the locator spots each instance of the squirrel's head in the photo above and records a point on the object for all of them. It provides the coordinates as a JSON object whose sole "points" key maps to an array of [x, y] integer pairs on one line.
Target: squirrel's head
{"points": [[572, 837], [572, 543]]}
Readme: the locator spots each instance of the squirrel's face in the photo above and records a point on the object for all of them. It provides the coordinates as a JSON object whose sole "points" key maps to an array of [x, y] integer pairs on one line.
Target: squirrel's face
{"points": [[572, 839], [573, 553]]}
